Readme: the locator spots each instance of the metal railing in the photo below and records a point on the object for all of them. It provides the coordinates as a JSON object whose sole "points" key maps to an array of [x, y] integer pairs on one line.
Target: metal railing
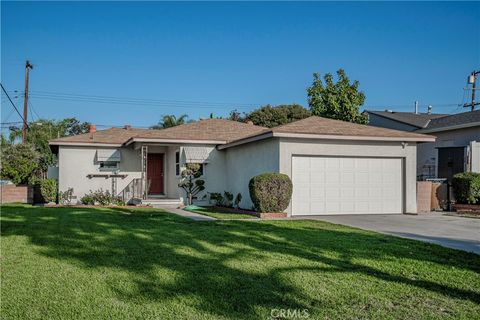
{"points": [[133, 190]]}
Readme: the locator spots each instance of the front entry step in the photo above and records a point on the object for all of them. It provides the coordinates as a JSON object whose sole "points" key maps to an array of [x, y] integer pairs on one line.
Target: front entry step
{"points": [[164, 202]]}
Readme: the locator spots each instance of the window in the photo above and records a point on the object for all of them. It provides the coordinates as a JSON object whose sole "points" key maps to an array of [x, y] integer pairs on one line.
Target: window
{"points": [[177, 163], [202, 168], [108, 165]]}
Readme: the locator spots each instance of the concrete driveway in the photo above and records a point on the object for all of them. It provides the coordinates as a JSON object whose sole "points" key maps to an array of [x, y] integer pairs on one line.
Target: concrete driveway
{"points": [[449, 231]]}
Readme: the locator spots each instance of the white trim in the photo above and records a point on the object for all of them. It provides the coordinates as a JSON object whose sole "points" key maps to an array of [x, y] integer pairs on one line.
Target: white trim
{"points": [[88, 144], [246, 140], [341, 137], [173, 141], [324, 137], [455, 127]]}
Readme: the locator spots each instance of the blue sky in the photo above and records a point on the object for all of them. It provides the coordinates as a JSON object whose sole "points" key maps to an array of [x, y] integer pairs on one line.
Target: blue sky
{"points": [[198, 58]]}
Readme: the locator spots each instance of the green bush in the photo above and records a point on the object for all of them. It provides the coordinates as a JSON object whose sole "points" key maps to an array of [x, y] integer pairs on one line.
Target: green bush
{"points": [[103, 198], [270, 192], [87, 200], [19, 162], [466, 187], [48, 190]]}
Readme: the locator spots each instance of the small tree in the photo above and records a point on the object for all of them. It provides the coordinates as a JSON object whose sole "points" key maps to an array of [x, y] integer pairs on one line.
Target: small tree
{"points": [[191, 182], [340, 101], [19, 162], [272, 116]]}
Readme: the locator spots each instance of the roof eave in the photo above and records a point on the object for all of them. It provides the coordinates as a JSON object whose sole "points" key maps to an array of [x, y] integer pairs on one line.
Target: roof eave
{"points": [[173, 141], [448, 128], [425, 138], [270, 134], [73, 143]]}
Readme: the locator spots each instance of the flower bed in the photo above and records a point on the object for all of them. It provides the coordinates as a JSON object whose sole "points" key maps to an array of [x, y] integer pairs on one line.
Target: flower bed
{"points": [[262, 215], [467, 208]]}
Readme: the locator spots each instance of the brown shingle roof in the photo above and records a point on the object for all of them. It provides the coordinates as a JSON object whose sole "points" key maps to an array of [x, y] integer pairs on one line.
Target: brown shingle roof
{"points": [[109, 136], [219, 130], [222, 131], [323, 126], [210, 129], [419, 120]]}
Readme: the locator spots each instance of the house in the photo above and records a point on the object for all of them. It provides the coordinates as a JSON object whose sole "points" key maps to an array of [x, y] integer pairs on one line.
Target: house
{"points": [[456, 149], [335, 166]]}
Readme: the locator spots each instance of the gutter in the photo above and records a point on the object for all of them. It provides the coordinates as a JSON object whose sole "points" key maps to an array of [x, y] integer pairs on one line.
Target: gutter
{"points": [[173, 141], [455, 127], [425, 138]]}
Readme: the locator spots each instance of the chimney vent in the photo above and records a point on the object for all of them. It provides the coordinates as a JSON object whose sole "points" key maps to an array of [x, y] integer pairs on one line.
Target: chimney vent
{"points": [[250, 122], [127, 127], [430, 109], [92, 128]]}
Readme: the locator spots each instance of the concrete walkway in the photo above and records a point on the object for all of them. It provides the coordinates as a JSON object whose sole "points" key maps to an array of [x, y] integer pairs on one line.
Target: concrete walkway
{"points": [[186, 214], [448, 231]]}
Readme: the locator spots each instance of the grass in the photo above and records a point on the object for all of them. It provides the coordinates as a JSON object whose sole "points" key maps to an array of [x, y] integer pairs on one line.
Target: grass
{"points": [[87, 263], [218, 213]]}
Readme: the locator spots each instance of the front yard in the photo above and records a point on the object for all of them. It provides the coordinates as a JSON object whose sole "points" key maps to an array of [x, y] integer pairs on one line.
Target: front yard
{"points": [[71, 263]]}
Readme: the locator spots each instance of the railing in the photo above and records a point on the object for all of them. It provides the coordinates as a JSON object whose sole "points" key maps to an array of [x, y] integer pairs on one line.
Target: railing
{"points": [[133, 190]]}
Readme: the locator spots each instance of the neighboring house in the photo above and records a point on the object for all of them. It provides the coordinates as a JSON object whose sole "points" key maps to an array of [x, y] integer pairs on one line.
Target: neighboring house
{"points": [[456, 149], [335, 166]]}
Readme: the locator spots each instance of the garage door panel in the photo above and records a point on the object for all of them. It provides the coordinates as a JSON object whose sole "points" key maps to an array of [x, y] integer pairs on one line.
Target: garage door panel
{"points": [[346, 185]]}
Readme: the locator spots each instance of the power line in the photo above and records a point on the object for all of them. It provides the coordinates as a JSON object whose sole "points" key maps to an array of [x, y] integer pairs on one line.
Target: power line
{"points": [[13, 104]]}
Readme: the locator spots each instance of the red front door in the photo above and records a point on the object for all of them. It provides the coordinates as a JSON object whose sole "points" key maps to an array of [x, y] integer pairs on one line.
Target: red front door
{"points": [[155, 172]]}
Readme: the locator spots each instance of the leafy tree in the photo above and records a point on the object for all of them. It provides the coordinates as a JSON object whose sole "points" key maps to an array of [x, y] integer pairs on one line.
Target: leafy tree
{"points": [[41, 131], [19, 162], [191, 182], [340, 100], [272, 116], [169, 121], [236, 116]]}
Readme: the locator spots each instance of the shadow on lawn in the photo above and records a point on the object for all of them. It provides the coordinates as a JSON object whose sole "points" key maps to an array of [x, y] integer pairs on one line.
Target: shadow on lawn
{"points": [[202, 256]]}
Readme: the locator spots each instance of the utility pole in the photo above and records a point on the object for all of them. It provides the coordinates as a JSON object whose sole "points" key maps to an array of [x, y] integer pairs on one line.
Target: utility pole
{"points": [[472, 79], [28, 66]]}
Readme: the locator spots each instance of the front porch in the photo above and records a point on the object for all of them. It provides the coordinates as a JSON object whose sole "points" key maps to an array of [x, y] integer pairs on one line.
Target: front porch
{"points": [[159, 170]]}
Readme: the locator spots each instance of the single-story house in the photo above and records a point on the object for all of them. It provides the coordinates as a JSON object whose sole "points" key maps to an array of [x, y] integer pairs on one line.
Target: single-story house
{"points": [[335, 166], [456, 149]]}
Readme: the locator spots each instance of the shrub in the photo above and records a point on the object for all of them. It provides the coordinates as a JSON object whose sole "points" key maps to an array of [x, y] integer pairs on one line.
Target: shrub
{"points": [[19, 162], [48, 190], [217, 197], [190, 181], [270, 192], [466, 187], [238, 199], [103, 198], [87, 200], [227, 199], [65, 197]]}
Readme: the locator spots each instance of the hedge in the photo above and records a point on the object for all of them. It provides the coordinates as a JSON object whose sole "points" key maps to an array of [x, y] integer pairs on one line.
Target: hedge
{"points": [[48, 189], [466, 187], [270, 192]]}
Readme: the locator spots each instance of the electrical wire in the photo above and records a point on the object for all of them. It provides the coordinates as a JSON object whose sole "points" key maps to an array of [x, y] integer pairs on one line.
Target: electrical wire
{"points": [[13, 104]]}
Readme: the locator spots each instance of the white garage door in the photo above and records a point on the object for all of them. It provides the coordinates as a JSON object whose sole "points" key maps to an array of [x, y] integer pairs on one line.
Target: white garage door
{"points": [[344, 185]]}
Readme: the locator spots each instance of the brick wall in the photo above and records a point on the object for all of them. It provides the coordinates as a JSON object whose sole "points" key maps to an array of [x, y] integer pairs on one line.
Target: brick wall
{"points": [[11, 193]]}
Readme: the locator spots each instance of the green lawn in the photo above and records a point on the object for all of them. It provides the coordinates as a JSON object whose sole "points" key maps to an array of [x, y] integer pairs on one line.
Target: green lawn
{"points": [[219, 213], [65, 263]]}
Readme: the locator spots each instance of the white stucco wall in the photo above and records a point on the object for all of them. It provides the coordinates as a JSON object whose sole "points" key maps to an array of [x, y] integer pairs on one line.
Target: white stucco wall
{"points": [[245, 161], [453, 138], [290, 147], [214, 173], [75, 163]]}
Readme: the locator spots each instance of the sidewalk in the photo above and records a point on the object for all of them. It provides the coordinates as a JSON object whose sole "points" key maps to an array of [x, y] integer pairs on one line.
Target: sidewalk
{"points": [[187, 214]]}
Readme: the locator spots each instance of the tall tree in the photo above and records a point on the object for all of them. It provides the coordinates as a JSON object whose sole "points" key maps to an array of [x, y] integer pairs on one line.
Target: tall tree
{"points": [[340, 100], [19, 162], [170, 120], [272, 116], [41, 131]]}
